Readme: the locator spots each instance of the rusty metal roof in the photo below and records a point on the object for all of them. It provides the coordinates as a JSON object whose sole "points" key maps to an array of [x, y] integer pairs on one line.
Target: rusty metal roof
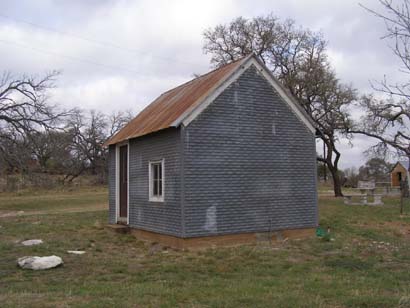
{"points": [[171, 105], [185, 102]]}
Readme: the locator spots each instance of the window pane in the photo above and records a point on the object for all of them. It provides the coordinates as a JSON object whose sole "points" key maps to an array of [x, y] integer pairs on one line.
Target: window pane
{"points": [[155, 173], [156, 179], [155, 187]]}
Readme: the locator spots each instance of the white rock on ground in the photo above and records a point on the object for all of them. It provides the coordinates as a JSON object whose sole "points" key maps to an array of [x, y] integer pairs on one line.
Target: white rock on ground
{"points": [[39, 263], [31, 242], [76, 252]]}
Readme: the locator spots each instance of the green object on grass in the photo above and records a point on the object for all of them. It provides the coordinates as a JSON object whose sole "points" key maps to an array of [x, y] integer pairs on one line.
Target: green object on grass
{"points": [[320, 232]]}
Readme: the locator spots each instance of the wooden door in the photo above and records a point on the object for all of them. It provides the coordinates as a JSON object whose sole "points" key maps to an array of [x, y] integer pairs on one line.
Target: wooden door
{"points": [[123, 181]]}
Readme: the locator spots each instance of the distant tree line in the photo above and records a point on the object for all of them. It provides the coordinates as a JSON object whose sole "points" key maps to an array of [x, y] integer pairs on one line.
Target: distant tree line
{"points": [[374, 169], [38, 137]]}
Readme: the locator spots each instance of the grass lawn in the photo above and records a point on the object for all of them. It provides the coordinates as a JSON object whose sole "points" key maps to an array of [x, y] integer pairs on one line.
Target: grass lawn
{"points": [[55, 200], [366, 265]]}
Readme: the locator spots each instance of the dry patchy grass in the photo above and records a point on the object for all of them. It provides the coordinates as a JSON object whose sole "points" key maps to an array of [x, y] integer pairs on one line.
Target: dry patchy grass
{"points": [[63, 199], [366, 265]]}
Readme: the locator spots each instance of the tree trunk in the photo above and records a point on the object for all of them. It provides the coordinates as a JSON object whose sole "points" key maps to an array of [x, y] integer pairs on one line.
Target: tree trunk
{"points": [[337, 184], [332, 164]]}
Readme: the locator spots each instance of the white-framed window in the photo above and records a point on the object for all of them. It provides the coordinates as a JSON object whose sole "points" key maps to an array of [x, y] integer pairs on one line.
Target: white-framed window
{"points": [[156, 180]]}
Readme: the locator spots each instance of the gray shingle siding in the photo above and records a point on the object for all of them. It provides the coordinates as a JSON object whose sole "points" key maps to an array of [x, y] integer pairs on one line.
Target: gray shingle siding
{"points": [[163, 217], [111, 184], [245, 164], [249, 164]]}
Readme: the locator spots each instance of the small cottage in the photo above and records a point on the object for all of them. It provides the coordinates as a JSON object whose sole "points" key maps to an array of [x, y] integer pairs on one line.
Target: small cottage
{"points": [[226, 158], [399, 173]]}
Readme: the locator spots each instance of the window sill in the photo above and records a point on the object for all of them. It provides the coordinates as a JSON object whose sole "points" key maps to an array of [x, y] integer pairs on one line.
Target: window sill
{"points": [[153, 199]]}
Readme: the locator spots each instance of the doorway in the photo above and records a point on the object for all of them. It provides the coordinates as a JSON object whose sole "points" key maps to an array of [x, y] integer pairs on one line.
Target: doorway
{"points": [[123, 184]]}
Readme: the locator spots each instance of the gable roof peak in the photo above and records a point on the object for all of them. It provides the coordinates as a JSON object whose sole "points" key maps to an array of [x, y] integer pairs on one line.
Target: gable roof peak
{"points": [[184, 102]]}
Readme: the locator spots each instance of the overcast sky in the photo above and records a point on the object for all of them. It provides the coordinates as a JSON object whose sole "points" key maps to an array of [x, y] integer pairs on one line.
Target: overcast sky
{"points": [[118, 55]]}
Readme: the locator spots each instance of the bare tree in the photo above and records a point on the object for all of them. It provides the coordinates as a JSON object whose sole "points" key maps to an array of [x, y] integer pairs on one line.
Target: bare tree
{"points": [[331, 115], [33, 134], [23, 103], [388, 120], [49, 148], [298, 59], [14, 152], [117, 120], [86, 143], [25, 112], [89, 131]]}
